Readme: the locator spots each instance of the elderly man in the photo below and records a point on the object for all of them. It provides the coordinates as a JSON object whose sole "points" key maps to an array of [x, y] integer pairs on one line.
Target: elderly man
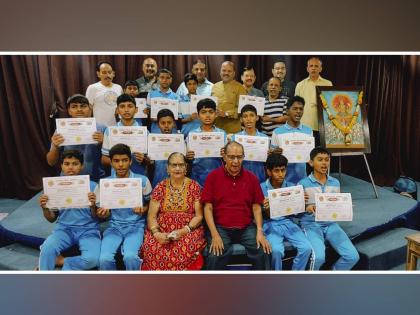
{"points": [[232, 199], [227, 91], [248, 78], [307, 89], [279, 71], [204, 86], [148, 81]]}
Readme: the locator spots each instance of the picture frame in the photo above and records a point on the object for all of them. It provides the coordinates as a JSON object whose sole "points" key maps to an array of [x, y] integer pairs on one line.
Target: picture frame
{"points": [[342, 117]]}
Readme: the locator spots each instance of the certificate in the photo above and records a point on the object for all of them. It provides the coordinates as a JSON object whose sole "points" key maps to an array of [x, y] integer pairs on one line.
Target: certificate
{"points": [[256, 148], [160, 146], [141, 105], [206, 144], [184, 108], [67, 191], [159, 103], [286, 201], [76, 130], [296, 146], [120, 193], [257, 102], [133, 136], [196, 98], [333, 207]]}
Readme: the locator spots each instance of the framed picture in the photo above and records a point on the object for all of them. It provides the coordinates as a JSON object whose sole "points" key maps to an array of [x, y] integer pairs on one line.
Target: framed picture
{"points": [[343, 125]]}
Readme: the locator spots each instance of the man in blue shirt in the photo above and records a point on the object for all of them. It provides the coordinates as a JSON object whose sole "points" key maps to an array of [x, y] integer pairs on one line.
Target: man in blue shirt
{"points": [[126, 224], [204, 87], [75, 226]]}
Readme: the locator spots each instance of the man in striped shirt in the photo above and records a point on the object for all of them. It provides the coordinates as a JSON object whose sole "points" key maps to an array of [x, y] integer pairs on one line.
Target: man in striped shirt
{"points": [[275, 107]]}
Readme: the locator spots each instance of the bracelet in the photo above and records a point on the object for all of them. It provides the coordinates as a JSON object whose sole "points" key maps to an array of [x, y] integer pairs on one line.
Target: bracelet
{"points": [[188, 228]]}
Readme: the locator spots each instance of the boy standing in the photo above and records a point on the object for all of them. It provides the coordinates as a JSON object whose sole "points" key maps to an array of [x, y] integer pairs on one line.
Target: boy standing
{"points": [[75, 226], [126, 224], [201, 167], [103, 94], [127, 109], [318, 232], [278, 229], [295, 106], [78, 107]]}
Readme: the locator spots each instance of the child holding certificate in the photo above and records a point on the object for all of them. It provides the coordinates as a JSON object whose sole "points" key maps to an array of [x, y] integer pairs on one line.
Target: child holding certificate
{"points": [[278, 229], [126, 108], [201, 167], [295, 106], [126, 224], [131, 88], [318, 232], [78, 106], [249, 120], [75, 226], [166, 123], [189, 121]]}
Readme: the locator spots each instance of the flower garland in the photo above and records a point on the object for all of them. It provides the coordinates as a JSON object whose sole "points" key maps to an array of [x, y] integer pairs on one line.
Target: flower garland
{"points": [[346, 130]]}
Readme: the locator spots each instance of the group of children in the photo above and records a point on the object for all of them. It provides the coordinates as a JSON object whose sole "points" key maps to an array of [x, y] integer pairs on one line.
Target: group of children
{"points": [[80, 227]]}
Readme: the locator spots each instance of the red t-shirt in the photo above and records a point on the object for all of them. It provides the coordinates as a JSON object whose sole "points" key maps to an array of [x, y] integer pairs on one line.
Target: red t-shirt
{"points": [[232, 197]]}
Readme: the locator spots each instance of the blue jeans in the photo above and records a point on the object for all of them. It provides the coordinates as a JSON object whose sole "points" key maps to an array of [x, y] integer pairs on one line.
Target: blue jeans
{"points": [[89, 241], [131, 238], [247, 238], [317, 234], [276, 232]]}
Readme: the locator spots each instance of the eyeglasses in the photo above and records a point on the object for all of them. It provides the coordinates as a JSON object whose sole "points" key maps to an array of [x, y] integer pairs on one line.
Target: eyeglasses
{"points": [[235, 157], [177, 165]]}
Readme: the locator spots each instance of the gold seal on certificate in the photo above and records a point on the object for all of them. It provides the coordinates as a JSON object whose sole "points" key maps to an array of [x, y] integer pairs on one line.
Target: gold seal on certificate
{"points": [[333, 207], [257, 102], [76, 130], [256, 148], [67, 191], [117, 193], [133, 136], [160, 146], [206, 144], [159, 103], [286, 201]]}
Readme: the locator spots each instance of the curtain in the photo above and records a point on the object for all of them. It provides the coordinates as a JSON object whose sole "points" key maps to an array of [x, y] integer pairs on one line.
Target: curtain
{"points": [[31, 87]]}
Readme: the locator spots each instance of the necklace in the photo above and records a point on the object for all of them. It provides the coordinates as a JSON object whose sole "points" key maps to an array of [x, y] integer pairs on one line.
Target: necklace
{"points": [[176, 197]]}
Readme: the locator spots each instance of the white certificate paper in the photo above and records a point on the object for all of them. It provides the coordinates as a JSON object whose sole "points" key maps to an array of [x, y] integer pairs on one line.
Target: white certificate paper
{"points": [[133, 136], [333, 207], [160, 146], [67, 191], [257, 102], [256, 148], [120, 193], [286, 201], [196, 98], [141, 105], [159, 103], [206, 144], [76, 130], [296, 146]]}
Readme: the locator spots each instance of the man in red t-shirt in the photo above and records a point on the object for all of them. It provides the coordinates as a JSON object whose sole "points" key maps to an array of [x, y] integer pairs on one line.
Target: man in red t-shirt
{"points": [[232, 198]]}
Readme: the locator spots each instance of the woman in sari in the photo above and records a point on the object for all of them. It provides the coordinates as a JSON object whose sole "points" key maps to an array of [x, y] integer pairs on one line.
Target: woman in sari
{"points": [[174, 238]]}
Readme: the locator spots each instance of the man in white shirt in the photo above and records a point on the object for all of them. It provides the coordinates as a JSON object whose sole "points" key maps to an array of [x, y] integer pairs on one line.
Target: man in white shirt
{"points": [[103, 95]]}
